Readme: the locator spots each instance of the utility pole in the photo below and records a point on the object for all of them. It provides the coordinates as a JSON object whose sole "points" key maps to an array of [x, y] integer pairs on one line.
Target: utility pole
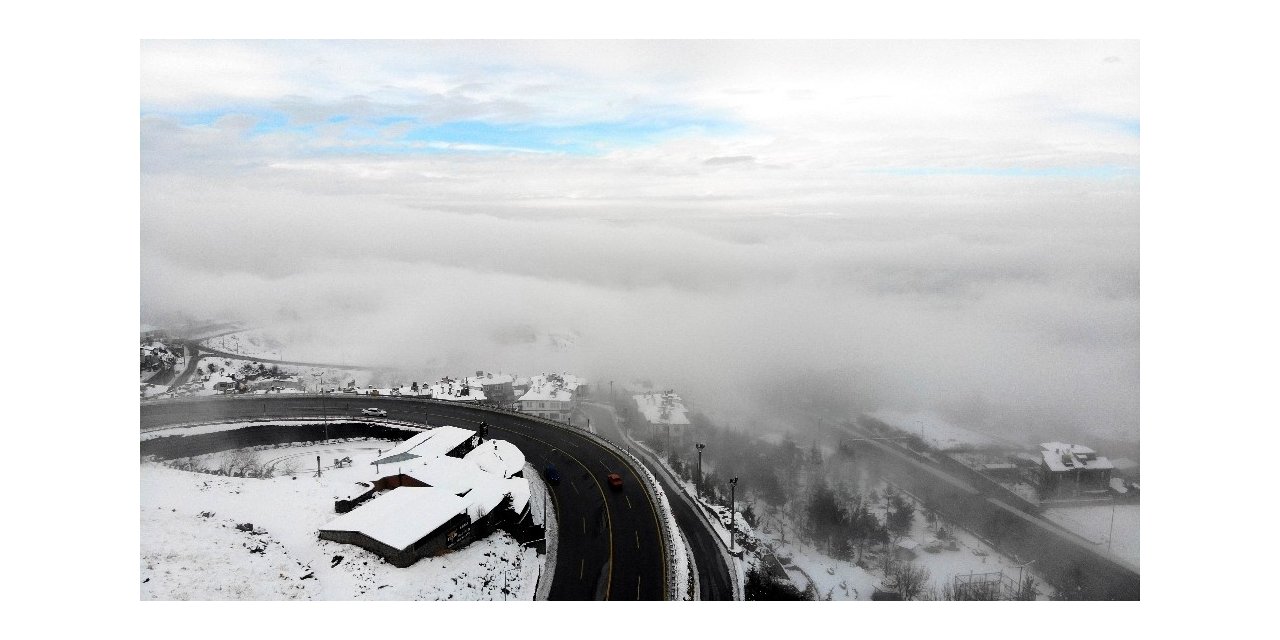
{"points": [[732, 508], [1019, 591], [700, 447]]}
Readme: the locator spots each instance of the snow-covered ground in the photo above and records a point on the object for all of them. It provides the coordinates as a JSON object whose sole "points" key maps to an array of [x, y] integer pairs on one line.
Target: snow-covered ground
{"points": [[844, 580], [191, 548], [203, 382], [1095, 524], [250, 343]]}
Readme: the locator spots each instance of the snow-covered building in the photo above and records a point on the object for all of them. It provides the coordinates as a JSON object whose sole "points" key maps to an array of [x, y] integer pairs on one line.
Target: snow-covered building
{"points": [[552, 395], [498, 457], [431, 444], [456, 389], [404, 525], [497, 387], [450, 488], [1072, 470], [665, 414]]}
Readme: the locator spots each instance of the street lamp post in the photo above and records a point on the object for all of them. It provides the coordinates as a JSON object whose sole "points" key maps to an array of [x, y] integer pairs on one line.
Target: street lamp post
{"points": [[733, 520], [700, 447], [324, 410]]}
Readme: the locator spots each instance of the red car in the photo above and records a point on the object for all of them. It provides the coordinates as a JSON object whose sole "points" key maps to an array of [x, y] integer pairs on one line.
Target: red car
{"points": [[615, 481]]}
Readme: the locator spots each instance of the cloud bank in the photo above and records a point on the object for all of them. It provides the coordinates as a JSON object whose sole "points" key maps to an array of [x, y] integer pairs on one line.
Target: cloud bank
{"points": [[773, 227]]}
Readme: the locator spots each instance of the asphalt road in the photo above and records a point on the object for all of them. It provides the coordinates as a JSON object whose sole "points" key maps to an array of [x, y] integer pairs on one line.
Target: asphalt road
{"points": [[609, 545], [713, 574]]}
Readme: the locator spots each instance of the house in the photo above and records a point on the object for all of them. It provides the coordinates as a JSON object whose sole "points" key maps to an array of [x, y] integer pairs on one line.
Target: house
{"points": [[496, 387], [455, 389], [446, 493], [404, 525], [1072, 470], [551, 395], [665, 417]]}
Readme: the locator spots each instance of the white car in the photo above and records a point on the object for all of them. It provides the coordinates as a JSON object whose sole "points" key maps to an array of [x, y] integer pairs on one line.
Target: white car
{"points": [[374, 411]]}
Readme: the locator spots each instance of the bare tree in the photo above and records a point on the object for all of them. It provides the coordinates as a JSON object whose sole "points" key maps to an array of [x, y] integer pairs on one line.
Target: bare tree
{"points": [[910, 579], [239, 462]]}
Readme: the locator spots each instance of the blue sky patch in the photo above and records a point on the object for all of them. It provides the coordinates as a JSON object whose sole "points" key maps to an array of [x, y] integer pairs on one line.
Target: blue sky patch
{"points": [[409, 134]]}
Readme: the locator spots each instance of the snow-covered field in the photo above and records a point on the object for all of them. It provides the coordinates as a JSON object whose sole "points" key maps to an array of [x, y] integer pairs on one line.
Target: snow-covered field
{"points": [[1095, 524], [204, 381], [191, 548], [251, 343]]}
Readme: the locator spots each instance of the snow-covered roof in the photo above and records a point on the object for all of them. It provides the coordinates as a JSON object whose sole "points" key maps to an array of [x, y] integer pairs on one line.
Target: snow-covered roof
{"points": [[482, 488], [662, 408], [1058, 456], [483, 378], [498, 457], [401, 517], [453, 388], [553, 386], [454, 475], [428, 444], [547, 393], [484, 498], [518, 489], [1077, 449]]}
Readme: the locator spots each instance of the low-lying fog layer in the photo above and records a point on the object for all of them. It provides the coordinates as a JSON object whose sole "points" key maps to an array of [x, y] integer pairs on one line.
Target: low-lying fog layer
{"points": [[771, 228]]}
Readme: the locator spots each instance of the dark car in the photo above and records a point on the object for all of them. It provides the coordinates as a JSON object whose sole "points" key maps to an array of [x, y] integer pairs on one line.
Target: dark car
{"points": [[552, 474], [615, 481]]}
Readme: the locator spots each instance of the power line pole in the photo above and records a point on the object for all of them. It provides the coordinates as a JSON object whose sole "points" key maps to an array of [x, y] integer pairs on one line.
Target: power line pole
{"points": [[732, 515], [700, 447]]}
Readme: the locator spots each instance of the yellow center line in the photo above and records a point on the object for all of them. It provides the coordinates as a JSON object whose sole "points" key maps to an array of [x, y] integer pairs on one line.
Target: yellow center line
{"points": [[637, 587], [584, 524], [637, 539], [582, 564], [653, 509]]}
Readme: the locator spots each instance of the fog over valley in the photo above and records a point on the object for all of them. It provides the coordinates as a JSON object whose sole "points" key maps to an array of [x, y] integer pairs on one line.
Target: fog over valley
{"points": [[782, 231]]}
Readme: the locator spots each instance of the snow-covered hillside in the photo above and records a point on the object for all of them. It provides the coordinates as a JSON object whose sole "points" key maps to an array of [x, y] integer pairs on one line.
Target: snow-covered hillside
{"points": [[213, 537]]}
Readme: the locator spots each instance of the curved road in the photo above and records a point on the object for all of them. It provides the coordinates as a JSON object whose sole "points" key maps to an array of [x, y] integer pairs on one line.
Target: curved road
{"points": [[609, 546], [713, 573]]}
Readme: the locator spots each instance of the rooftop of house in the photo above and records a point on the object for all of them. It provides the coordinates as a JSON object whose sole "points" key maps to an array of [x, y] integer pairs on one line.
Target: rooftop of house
{"points": [[402, 516], [429, 444], [455, 388], [483, 378], [663, 407], [1059, 456], [553, 386], [498, 457]]}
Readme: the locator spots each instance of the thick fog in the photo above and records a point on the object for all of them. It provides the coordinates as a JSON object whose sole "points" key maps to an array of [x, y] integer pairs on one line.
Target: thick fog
{"points": [[775, 229]]}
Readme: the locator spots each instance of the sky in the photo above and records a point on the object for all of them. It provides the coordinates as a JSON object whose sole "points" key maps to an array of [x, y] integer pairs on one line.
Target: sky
{"points": [[774, 228]]}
